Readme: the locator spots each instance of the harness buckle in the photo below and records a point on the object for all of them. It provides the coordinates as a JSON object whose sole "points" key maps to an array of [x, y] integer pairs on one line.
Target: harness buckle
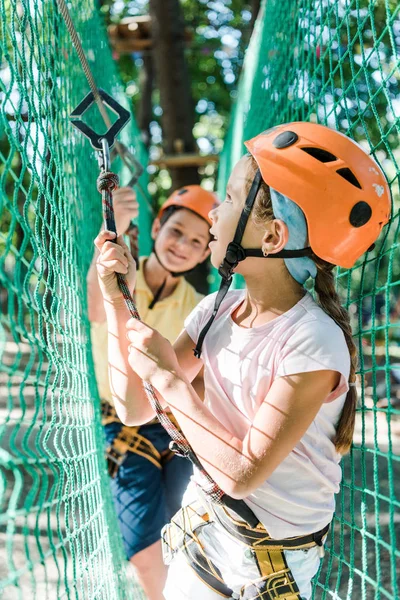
{"points": [[114, 460], [173, 446]]}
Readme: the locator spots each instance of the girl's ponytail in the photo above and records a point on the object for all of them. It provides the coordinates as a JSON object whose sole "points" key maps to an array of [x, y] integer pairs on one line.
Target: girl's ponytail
{"points": [[330, 302]]}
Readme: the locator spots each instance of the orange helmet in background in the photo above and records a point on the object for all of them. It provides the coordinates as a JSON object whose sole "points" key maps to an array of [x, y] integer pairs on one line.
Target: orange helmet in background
{"points": [[341, 190], [194, 198]]}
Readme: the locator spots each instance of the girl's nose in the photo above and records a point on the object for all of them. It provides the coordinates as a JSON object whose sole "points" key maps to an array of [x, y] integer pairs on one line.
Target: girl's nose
{"points": [[212, 214]]}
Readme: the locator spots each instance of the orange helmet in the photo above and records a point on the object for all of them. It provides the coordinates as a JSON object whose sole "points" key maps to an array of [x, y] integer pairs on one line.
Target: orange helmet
{"points": [[341, 190], [194, 198]]}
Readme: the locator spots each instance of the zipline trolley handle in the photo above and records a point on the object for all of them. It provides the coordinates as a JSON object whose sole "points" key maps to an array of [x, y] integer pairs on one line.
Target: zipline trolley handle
{"points": [[101, 142]]}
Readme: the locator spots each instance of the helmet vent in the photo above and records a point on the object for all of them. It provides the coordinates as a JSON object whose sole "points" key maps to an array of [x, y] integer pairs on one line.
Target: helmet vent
{"points": [[349, 176], [183, 191], [321, 155], [285, 139], [360, 214]]}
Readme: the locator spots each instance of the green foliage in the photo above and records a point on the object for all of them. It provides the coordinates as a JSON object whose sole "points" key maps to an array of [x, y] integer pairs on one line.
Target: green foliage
{"points": [[220, 31]]}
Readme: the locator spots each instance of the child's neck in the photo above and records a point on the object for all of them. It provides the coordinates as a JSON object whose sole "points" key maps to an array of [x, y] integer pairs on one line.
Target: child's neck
{"points": [[155, 275], [266, 299]]}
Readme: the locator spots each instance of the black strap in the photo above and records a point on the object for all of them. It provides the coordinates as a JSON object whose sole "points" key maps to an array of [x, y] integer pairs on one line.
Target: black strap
{"points": [[158, 294], [225, 285], [234, 254], [282, 254], [248, 207]]}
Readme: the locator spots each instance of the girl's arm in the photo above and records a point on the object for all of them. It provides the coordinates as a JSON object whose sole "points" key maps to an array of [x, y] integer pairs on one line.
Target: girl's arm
{"points": [[126, 209], [96, 312], [239, 466], [126, 386], [129, 397]]}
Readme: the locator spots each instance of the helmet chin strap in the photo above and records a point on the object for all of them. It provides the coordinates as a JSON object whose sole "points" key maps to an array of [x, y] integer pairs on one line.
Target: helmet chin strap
{"points": [[160, 290], [235, 253]]}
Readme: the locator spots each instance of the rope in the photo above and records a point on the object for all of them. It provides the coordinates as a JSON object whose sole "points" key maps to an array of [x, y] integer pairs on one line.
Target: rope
{"points": [[106, 183], [91, 80]]}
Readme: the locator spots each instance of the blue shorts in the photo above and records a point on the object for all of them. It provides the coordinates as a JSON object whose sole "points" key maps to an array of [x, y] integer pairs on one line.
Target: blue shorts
{"points": [[145, 496]]}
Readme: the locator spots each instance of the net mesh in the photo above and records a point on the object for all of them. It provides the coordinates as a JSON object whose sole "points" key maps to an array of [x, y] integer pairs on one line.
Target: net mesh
{"points": [[57, 524], [337, 63]]}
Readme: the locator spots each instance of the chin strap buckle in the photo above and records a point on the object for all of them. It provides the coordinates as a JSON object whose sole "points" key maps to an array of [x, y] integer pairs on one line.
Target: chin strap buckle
{"points": [[234, 255]]}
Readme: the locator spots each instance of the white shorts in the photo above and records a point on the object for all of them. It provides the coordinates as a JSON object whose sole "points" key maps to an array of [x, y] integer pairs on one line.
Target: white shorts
{"points": [[236, 565]]}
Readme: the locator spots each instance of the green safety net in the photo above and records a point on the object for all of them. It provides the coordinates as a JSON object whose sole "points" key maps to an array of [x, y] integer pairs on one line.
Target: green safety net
{"points": [[59, 536], [337, 62]]}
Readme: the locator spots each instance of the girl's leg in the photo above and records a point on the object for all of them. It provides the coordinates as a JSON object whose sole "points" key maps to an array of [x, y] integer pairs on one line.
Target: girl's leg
{"points": [[184, 584], [304, 565]]}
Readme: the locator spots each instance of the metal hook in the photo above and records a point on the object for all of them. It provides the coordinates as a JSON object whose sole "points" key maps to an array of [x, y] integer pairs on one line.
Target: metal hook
{"points": [[104, 156]]}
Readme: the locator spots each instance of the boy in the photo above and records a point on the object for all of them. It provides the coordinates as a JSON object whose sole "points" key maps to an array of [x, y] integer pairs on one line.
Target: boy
{"points": [[148, 480]]}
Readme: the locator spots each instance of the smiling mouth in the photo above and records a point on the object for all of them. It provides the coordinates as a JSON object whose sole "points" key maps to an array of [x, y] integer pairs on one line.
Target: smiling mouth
{"points": [[178, 256]]}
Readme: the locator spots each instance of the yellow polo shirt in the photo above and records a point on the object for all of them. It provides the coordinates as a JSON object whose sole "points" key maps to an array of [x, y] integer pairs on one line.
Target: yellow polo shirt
{"points": [[167, 317]]}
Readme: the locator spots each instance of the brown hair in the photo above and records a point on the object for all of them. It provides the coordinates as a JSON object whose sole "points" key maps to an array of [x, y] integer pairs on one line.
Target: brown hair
{"points": [[329, 301]]}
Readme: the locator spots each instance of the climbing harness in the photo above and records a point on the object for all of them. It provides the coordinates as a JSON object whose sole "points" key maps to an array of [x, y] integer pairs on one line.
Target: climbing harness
{"points": [[276, 582], [129, 439]]}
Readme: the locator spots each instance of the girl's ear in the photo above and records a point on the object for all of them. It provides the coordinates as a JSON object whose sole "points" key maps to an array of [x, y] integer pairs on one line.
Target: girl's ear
{"points": [[155, 228], [275, 238]]}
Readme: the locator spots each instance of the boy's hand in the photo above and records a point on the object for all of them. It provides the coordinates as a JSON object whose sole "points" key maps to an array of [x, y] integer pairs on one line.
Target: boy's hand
{"points": [[126, 208], [113, 258]]}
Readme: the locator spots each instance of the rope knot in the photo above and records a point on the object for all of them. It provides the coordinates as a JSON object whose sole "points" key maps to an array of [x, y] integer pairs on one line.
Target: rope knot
{"points": [[107, 181]]}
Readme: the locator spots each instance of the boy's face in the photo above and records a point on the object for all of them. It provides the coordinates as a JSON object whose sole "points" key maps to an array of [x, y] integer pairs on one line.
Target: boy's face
{"points": [[182, 242]]}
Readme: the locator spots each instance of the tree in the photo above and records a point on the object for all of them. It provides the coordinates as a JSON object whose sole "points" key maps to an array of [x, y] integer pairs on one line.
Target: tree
{"points": [[173, 82], [214, 57]]}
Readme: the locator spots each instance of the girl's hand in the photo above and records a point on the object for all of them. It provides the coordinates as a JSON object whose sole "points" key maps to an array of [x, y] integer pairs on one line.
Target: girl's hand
{"points": [[113, 258], [151, 356]]}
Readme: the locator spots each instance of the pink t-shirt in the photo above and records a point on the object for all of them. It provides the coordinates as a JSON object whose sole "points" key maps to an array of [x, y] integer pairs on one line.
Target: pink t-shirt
{"points": [[240, 367]]}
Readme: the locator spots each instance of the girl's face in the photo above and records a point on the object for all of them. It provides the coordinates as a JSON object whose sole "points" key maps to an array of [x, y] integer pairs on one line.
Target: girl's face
{"points": [[181, 243], [226, 216]]}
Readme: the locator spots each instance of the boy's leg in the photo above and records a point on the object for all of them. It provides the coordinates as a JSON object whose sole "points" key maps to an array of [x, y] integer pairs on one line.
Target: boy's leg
{"points": [[151, 571], [140, 504], [176, 476]]}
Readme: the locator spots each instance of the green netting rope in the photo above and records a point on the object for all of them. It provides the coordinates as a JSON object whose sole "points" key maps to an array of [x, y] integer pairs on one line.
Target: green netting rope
{"points": [[58, 529], [337, 62]]}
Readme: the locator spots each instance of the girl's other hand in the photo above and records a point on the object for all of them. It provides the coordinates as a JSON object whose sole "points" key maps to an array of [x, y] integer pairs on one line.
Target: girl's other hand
{"points": [[113, 258], [151, 356]]}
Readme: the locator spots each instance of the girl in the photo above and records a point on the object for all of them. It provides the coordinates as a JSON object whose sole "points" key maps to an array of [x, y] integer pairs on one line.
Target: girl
{"points": [[279, 368]]}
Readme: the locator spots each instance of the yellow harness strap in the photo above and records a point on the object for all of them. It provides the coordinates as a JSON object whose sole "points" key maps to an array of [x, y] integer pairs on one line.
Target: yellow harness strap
{"points": [[276, 581], [130, 440]]}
